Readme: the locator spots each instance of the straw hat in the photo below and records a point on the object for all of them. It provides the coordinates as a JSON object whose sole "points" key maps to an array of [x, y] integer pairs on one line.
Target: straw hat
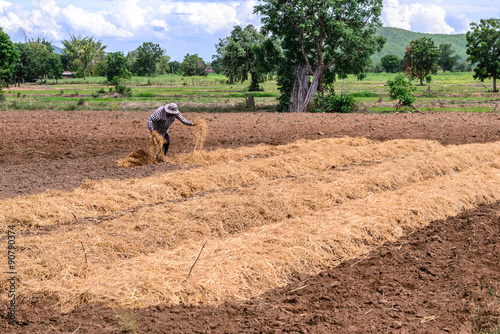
{"points": [[171, 108]]}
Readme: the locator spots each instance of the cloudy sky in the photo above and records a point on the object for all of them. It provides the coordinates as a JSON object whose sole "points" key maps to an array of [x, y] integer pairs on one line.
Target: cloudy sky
{"points": [[195, 26]]}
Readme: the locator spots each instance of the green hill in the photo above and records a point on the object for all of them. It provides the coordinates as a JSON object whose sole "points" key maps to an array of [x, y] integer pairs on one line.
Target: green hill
{"points": [[398, 39]]}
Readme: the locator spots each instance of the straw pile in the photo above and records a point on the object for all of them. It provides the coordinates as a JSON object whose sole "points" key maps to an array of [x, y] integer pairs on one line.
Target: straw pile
{"points": [[271, 212], [140, 157]]}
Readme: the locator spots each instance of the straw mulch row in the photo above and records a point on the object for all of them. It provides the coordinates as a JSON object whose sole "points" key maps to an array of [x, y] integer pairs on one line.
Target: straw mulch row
{"points": [[302, 211], [250, 165]]}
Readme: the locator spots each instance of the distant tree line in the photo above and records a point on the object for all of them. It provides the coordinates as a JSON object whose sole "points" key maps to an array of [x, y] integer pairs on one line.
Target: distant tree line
{"points": [[447, 60], [36, 60]]}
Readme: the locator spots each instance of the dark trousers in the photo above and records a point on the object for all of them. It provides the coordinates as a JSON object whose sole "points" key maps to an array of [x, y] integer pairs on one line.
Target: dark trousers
{"points": [[166, 144]]}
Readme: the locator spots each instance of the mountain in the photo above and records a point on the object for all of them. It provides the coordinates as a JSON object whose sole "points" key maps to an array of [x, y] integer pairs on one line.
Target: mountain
{"points": [[57, 50], [398, 39]]}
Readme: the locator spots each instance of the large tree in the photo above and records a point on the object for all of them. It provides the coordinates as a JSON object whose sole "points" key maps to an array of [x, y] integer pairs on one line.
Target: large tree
{"points": [[447, 60], [421, 59], [238, 55], [84, 52], [117, 67], [42, 51], [26, 64], [193, 65], [148, 55], [483, 48], [53, 67], [8, 58], [320, 36]]}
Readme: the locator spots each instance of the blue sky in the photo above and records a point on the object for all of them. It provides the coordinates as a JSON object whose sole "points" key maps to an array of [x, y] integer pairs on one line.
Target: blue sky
{"points": [[194, 27]]}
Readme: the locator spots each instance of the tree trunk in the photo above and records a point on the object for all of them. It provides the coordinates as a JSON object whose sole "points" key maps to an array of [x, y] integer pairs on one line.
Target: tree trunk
{"points": [[254, 86], [495, 84], [302, 93], [300, 87]]}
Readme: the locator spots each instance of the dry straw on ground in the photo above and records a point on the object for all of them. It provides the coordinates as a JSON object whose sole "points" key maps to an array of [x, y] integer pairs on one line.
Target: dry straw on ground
{"points": [[226, 169], [141, 157], [272, 212]]}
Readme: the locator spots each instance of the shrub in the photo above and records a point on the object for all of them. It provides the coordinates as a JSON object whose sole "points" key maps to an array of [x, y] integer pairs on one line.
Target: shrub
{"points": [[401, 89], [333, 103], [70, 107], [146, 94], [123, 90], [101, 91]]}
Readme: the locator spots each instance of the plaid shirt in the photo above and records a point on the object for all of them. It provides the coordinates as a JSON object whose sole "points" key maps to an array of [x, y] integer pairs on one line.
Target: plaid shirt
{"points": [[160, 121]]}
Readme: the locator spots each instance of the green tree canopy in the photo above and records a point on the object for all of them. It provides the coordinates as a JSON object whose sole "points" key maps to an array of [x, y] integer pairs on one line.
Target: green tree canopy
{"points": [[391, 63], [317, 36], [53, 66], [117, 67], [9, 55], [483, 48], [447, 61], [193, 65], [238, 52], [42, 51], [174, 66], [421, 58], [148, 55], [162, 66], [401, 89], [26, 65], [84, 52]]}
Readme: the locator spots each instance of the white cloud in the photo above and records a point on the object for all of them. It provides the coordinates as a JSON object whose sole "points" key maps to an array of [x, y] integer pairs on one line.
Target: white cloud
{"points": [[129, 14], [416, 17], [4, 4], [211, 17], [91, 23]]}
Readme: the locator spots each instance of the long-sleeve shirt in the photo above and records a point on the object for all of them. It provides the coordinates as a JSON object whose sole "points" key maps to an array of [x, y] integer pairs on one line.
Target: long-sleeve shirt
{"points": [[160, 121]]}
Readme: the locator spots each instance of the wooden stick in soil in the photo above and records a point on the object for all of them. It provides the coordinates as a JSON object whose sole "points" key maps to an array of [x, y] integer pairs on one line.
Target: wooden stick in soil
{"points": [[196, 259]]}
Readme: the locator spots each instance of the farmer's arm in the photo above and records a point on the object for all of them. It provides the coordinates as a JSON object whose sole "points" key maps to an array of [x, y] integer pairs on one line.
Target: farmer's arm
{"points": [[183, 120]]}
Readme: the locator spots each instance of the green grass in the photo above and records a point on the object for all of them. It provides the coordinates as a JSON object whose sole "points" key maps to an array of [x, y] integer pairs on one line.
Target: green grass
{"points": [[449, 92]]}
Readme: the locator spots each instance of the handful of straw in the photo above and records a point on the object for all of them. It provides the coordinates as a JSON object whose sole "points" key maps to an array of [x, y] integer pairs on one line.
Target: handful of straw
{"points": [[200, 134], [156, 147]]}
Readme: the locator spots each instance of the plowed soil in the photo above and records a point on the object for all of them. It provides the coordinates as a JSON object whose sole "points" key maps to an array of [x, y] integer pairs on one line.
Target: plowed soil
{"points": [[444, 278]]}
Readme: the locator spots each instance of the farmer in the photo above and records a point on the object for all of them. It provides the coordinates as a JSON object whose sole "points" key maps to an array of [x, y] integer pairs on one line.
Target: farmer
{"points": [[161, 120]]}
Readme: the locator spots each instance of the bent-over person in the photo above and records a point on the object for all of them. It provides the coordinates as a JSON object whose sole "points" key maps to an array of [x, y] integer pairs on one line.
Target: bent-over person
{"points": [[163, 118]]}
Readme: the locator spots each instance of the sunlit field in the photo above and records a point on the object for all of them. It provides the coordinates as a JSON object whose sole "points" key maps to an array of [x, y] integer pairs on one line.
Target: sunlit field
{"points": [[446, 92]]}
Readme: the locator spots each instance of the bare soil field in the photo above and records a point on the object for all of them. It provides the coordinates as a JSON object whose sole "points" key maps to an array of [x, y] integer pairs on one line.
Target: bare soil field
{"points": [[441, 278], [42, 150]]}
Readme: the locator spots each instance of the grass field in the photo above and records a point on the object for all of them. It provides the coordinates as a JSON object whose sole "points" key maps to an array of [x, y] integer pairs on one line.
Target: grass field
{"points": [[446, 92]]}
